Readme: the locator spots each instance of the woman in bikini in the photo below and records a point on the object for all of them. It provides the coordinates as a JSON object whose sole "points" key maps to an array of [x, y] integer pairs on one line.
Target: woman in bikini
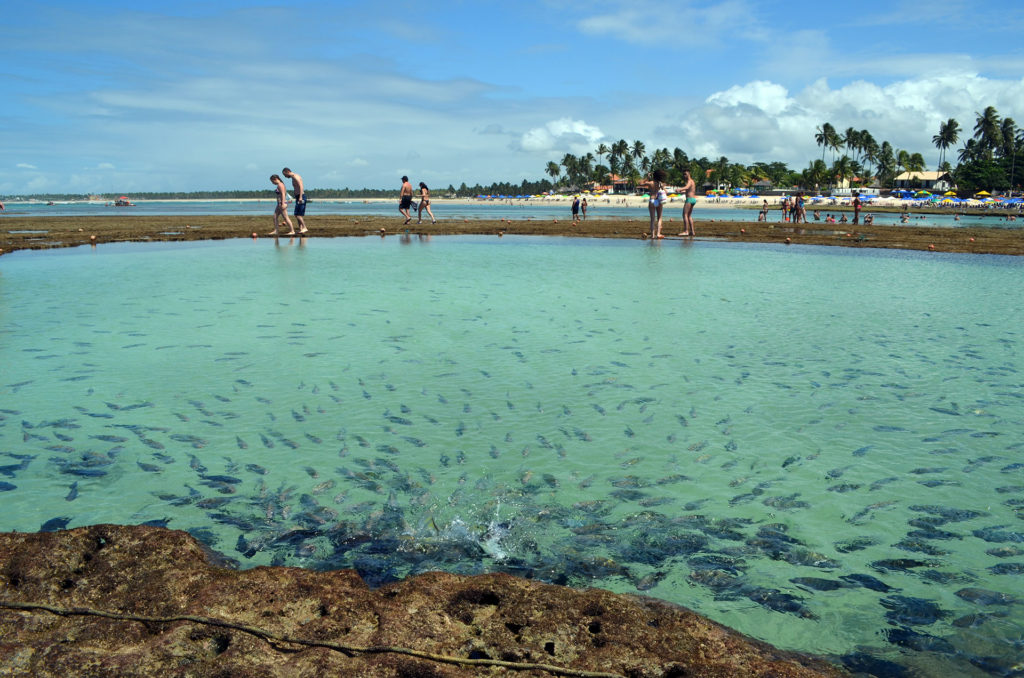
{"points": [[657, 202], [424, 204]]}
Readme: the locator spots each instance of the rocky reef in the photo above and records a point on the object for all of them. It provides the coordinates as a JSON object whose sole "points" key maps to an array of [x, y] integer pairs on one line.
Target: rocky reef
{"points": [[146, 601]]}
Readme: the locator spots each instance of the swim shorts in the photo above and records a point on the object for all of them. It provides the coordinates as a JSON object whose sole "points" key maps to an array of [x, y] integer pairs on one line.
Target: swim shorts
{"points": [[406, 202], [691, 201], [300, 206]]}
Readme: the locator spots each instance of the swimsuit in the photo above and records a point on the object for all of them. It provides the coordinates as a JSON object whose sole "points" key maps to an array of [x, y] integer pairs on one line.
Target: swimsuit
{"points": [[691, 201], [406, 202], [300, 205]]}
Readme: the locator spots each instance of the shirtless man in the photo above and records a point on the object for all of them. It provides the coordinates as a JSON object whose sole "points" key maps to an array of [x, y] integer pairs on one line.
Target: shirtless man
{"points": [[856, 207], [406, 199], [281, 211], [690, 190], [299, 193]]}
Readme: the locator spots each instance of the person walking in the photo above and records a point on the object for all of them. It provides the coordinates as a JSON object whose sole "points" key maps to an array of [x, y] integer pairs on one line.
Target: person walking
{"points": [[424, 204], [299, 194], [281, 210], [405, 199]]}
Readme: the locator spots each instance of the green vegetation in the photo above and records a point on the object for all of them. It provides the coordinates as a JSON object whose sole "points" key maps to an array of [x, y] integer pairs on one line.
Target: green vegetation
{"points": [[987, 161]]}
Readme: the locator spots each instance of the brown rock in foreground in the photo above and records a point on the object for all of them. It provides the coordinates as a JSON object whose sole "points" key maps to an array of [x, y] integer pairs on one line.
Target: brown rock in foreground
{"points": [[157, 573]]}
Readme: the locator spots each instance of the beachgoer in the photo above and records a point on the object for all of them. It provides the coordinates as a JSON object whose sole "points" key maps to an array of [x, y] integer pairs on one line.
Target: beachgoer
{"points": [[868, 219], [1, 207], [856, 207], [424, 204], [763, 216], [281, 209], [690, 190], [801, 212], [843, 219], [299, 193], [583, 209], [575, 208], [785, 207], [656, 203], [817, 215], [405, 196]]}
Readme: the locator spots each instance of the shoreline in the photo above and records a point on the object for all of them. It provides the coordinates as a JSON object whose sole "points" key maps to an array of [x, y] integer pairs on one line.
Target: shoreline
{"points": [[36, 233]]}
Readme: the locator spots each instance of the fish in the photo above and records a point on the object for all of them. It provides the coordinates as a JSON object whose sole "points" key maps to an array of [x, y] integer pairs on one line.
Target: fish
{"points": [[55, 524]]}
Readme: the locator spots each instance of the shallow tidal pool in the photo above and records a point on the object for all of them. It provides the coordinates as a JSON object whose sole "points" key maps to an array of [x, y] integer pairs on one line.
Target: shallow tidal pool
{"points": [[820, 447]]}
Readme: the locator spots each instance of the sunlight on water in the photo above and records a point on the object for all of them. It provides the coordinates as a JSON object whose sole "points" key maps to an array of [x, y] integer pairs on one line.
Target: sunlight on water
{"points": [[821, 448]]}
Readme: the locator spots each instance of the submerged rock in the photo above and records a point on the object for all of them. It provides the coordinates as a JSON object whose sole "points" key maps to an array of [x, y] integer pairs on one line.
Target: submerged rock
{"points": [[158, 573]]}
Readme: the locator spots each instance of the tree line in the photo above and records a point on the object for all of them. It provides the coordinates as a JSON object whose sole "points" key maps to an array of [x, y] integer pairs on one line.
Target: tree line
{"points": [[986, 161]]}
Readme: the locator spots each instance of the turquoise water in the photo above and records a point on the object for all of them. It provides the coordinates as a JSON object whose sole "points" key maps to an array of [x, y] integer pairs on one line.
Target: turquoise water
{"points": [[819, 447]]}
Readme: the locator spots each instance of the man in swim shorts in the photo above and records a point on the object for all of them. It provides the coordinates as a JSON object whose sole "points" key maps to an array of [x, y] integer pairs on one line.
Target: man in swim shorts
{"points": [[299, 193], [405, 197], [690, 190]]}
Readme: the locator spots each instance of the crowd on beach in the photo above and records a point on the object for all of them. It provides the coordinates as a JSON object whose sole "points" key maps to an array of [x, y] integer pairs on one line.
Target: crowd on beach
{"points": [[793, 209]]}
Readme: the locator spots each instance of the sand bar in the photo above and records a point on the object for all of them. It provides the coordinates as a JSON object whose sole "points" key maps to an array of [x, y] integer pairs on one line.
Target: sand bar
{"points": [[19, 233]]}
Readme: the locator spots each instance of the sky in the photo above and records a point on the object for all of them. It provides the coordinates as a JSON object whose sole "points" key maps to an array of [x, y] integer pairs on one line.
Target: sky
{"points": [[122, 96]]}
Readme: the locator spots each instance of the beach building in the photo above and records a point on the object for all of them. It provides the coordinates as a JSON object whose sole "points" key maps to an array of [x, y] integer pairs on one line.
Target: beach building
{"points": [[930, 181]]}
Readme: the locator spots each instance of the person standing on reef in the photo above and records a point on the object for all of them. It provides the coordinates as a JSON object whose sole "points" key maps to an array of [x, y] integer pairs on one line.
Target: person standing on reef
{"points": [[281, 211], [405, 197], [763, 216], [659, 196], [575, 208], [690, 191], [299, 193], [583, 209], [856, 207], [424, 204]]}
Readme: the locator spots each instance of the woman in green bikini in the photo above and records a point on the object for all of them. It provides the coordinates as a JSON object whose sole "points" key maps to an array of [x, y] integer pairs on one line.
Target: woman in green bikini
{"points": [[690, 190]]}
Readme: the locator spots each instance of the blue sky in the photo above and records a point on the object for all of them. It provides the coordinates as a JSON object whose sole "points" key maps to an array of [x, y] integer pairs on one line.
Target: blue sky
{"points": [[132, 96]]}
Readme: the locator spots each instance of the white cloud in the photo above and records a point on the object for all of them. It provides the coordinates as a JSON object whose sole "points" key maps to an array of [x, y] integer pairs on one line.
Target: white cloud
{"points": [[763, 121], [25, 165], [564, 134]]}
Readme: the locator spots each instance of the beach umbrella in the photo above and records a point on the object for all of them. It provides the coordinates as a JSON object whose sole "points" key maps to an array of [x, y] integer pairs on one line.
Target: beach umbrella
{"points": [[950, 194], [982, 193], [922, 194]]}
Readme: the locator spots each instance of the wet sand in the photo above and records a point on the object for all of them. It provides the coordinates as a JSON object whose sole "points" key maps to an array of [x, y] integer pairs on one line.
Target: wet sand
{"points": [[19, 233]]}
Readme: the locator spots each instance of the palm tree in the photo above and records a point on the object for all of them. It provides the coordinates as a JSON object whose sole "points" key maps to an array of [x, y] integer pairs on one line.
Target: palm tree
{"points": [[949, 132], [835, 142], [1008, 132], [585, 165], [824, 136], [553, 170], [842, 169], [571, 165], [815, 174], [602, 150], [638, 150], [871, 149], [970, 152], [914, 163], [988, 131], [619, 152], [886, 163], [852, 138]]}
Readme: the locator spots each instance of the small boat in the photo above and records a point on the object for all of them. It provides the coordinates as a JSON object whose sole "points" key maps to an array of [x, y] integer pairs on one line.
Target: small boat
{"points": [[123, 201]]}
